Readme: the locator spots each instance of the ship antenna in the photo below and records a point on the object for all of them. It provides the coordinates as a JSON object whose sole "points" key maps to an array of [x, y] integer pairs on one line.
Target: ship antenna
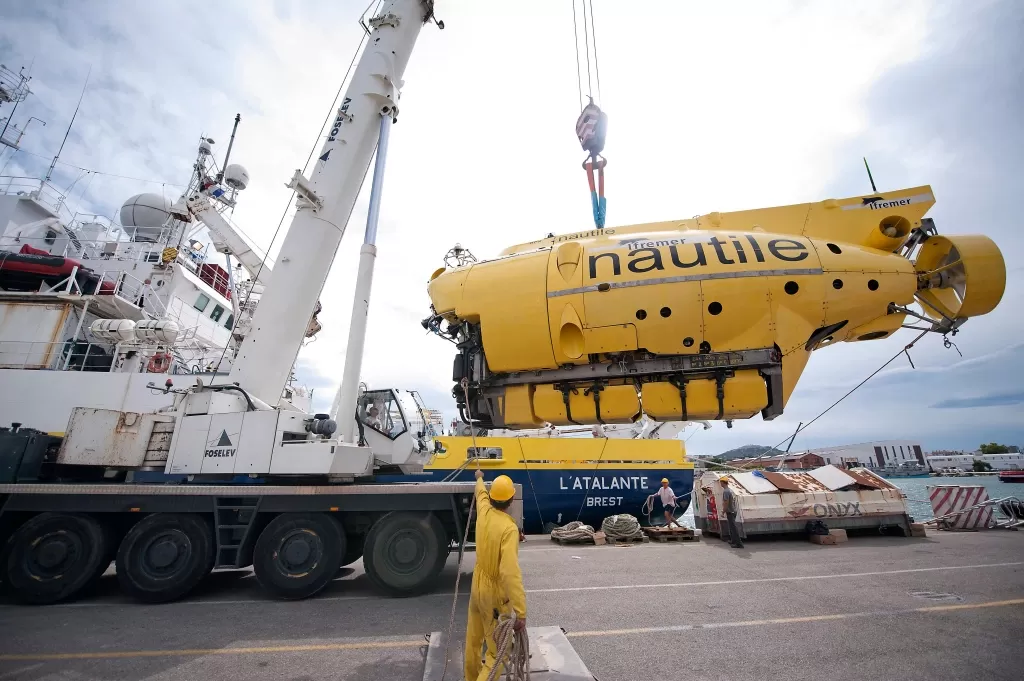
{"points": [[868, 168], [231, 142], [49, 171]]}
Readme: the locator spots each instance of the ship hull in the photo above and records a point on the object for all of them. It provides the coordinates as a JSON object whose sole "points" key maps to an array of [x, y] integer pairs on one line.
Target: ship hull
{"points": [[560, 496]]}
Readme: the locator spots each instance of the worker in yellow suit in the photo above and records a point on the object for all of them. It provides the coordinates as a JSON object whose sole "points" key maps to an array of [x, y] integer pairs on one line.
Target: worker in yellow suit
{"points": [[497, 580]]}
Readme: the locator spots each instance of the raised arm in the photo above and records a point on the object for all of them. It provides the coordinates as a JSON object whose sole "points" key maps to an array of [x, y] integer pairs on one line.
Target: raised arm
{"points": [[483, 500]]}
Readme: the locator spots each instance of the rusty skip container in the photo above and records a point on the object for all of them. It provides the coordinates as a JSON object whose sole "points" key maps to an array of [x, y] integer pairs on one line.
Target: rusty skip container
{"points": [[780, 502]]}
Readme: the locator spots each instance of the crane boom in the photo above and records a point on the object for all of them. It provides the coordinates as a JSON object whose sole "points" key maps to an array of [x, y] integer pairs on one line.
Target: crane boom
{"points": [[325, 202], [227, 239]]}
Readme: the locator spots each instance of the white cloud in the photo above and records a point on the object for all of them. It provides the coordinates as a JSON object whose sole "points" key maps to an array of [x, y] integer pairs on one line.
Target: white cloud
{"points": [[717, 106]]}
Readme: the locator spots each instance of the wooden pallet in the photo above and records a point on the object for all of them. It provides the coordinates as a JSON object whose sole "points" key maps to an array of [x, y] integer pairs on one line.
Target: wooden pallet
{"points": [[626, 542], [681, 536], [663, 534]]}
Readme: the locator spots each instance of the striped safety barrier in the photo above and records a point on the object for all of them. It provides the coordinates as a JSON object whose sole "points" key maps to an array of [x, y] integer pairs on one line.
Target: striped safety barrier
{"points": [[948, 499]]}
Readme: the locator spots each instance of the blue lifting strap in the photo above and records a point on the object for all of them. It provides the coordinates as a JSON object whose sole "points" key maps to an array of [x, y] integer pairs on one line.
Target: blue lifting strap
{"points": [[591, 129]]}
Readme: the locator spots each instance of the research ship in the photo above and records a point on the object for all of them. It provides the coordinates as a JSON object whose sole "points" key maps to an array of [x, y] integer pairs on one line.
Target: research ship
{"points": [[568, 478]]}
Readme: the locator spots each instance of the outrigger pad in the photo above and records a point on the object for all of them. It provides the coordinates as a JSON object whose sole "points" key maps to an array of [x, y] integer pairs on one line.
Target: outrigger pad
{"points": [[552, 657]]}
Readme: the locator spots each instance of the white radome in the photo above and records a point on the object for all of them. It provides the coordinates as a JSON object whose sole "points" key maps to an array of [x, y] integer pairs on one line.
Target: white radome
{"points": [[236, 176], [144, 215]]}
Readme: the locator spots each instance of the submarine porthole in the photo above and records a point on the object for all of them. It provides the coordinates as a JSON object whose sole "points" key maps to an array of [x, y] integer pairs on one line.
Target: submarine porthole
{"points": [[834, 248], [666, 312], [791, 287], [837, 284], [688, 341], [641, 314], [872, 284], [715, 308]]}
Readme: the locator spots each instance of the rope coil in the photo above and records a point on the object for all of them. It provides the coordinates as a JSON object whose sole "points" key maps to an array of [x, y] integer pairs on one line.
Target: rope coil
{"points": [[622, 526], [513, 646], [573, 530]]}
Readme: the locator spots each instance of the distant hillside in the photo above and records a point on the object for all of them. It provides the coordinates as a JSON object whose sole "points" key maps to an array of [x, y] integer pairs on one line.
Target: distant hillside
{"points": [[748, 451]]}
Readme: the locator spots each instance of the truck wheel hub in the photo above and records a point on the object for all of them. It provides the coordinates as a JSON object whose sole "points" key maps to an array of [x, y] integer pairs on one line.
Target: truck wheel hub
{"points": [[300, 552], [163, 553], [53, 552], [166, 553]]}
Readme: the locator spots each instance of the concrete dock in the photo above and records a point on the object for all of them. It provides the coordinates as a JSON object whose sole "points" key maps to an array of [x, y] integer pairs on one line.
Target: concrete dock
{"points": [[948, 606]]}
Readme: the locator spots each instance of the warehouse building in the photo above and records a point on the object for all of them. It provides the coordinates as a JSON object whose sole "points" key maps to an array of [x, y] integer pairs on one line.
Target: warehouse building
{"points": [[888, 453]]}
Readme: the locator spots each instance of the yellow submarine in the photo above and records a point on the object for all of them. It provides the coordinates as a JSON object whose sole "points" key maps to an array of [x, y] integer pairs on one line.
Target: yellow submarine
{"points": [[707, 318]]}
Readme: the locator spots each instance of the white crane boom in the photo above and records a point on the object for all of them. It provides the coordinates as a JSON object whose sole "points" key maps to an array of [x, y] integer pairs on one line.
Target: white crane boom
{"points": [[325, 202], [227, 239]]}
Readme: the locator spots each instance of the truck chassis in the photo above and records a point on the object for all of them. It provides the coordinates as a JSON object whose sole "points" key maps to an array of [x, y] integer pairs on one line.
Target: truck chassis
{"points": [[59, 538]]}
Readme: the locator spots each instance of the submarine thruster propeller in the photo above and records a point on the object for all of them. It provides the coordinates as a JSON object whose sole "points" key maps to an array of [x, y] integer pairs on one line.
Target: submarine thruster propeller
{"points": [[959, 277]]}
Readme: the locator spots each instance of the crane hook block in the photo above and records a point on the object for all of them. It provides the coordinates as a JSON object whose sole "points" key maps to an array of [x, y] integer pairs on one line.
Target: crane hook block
{"points": [[591, 128]]}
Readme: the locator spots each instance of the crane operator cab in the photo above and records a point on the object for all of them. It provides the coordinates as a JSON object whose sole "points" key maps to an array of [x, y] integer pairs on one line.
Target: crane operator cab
{"points": [[393, 424]]}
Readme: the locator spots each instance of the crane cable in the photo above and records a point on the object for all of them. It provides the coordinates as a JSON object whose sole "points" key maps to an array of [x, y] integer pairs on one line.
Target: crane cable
{"points": [[803, 427], [592, 123]]}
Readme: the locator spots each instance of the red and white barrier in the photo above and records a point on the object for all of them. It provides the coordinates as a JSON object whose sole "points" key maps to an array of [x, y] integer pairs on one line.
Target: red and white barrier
{"points": [[947, 499]]}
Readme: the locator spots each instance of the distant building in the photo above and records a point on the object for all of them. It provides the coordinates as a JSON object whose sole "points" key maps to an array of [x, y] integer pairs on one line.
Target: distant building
{"points": [[939, 460], [873, 454], [793, 461], [1002, 462]]}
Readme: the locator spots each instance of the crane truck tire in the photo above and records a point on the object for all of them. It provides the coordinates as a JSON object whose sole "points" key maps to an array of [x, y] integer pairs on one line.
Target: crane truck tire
{"points": [[298, 554], [164, 556], [52, 557], [405, 552]]}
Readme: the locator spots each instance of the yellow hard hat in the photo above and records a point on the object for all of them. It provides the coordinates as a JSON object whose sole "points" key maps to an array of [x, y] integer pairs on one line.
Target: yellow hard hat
{"points": [[664, 479], [502, 488]]}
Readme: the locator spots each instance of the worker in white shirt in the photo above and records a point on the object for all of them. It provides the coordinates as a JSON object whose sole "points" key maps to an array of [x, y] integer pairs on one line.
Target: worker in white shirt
{"points": [[668, 503]]}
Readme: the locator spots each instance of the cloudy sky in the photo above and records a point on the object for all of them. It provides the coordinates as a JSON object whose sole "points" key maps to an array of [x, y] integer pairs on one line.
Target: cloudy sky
{"points": [[713, 106]]}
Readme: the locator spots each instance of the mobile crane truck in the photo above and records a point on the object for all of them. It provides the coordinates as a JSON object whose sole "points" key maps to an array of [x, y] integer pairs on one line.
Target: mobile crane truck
{"points": [[72, 504]]}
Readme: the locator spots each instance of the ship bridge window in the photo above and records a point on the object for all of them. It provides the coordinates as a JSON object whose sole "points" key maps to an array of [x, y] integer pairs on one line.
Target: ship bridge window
{"points": [[217, 312], [483, 453], [202, 302], [230, 322], [51, 236]]}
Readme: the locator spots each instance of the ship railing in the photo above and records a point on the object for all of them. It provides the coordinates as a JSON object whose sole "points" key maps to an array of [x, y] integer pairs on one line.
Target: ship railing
{"points": [[90, 252], [191, 259], [86, 355], [65, 355], [40, 190], [118, 284], [134, 291]]}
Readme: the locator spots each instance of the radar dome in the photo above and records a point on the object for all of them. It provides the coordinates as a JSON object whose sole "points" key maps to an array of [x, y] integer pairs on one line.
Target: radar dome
{"points": [[144, 215], [236, 176]]}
